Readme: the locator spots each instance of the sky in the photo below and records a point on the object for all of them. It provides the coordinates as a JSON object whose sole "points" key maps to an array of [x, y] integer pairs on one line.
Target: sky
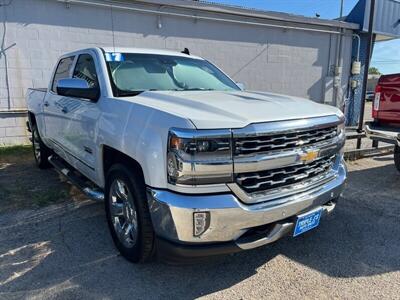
{"points": [[386, 55]]}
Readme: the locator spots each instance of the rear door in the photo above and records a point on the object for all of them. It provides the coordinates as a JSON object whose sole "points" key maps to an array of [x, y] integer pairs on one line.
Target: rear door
{"points": [[389, 106]]}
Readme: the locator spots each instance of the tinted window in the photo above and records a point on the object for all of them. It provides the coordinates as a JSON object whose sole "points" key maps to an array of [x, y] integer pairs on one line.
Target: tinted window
{"points": [[85, 69], [63, 70]]}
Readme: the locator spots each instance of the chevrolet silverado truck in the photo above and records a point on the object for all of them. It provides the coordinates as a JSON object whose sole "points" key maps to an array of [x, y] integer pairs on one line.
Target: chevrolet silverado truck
{"points": [[386, 114], [187, 162]]}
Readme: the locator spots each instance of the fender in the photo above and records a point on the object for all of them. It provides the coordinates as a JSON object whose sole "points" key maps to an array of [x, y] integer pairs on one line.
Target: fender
{"points": [[139, 132]]}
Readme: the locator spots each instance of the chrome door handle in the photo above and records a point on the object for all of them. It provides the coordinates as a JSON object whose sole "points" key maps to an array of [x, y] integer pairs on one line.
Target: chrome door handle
{"points": [[46, 103], [64, 110]]}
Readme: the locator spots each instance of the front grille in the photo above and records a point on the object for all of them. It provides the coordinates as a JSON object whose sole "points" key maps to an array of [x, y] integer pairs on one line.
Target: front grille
{"points": [[272, 179], [285, 141]]}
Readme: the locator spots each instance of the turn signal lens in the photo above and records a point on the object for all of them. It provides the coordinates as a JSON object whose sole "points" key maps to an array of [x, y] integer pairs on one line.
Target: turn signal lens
{"points": [[377, 100], [175, 143]]}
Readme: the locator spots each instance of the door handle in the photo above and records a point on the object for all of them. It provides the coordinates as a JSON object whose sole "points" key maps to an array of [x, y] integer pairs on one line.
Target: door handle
{"points": [[46, 103], [64, 110]]}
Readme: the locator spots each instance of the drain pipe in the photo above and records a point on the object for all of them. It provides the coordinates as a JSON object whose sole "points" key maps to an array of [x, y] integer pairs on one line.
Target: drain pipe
{"points": [[358, 45]]}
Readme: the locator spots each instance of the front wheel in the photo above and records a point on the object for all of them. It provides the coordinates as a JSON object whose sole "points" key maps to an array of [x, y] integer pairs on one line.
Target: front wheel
{"points": [[128, 215], [40, 151], [397, 157]]}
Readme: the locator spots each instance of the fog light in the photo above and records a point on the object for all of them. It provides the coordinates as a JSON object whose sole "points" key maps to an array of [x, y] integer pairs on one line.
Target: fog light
{"points": [[201, 222]]}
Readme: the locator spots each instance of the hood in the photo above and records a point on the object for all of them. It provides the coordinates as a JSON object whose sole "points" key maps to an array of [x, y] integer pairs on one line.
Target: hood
{"points": [[237, 109]]}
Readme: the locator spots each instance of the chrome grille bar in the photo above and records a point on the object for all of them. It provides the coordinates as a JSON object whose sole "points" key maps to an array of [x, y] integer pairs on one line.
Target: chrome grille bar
{"points": [[251, 145], [270, 159], [271, 179]]}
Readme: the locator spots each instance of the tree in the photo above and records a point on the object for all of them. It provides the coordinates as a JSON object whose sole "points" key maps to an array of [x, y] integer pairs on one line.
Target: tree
{"points": [[374, 71]]}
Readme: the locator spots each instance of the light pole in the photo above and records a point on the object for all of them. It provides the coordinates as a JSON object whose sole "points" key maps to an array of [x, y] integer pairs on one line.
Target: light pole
{"points": [[341, 8], [365, 77]]}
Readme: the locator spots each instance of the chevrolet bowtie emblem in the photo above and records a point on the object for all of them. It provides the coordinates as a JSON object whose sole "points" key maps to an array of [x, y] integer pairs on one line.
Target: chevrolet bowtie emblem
{"points": [[309, 156]]}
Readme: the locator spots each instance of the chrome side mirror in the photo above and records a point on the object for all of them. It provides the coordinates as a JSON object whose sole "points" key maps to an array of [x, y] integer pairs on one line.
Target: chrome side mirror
{"points": [[76, 87]]}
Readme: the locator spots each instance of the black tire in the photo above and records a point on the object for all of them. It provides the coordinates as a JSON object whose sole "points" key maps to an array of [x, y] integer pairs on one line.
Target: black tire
{"points": [[143, 247], [40, 151], [397, 157]]}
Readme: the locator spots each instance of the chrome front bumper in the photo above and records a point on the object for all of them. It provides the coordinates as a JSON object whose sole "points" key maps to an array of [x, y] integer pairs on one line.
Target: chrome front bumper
{"points": [[382, 134], [172, 214]]}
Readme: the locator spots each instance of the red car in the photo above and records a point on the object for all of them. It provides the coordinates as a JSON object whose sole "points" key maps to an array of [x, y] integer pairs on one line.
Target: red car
{"points": [[386, 114]]}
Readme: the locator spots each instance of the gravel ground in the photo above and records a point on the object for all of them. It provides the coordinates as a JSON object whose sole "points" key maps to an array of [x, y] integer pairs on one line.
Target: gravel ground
{"points": [[64, 251]]}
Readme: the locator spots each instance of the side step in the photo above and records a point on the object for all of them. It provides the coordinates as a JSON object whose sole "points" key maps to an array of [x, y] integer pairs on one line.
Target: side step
{"points": [[79, 181]]}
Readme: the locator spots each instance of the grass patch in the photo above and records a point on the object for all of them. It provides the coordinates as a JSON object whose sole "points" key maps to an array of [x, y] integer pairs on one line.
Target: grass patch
{"points": [[26, 192], [45, 198], [23, 185], [15, 153]]}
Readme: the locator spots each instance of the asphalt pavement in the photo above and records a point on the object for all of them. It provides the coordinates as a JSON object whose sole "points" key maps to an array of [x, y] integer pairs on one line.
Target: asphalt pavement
{"points": [[64, 251]]}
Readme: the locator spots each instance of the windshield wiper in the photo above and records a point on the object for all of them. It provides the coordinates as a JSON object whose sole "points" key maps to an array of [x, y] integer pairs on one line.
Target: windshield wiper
{"points": [[198, 89], [129, 93]]}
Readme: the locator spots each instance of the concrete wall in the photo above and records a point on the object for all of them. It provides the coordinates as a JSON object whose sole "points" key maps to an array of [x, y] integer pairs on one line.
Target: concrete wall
{"points": [[292, 62]]}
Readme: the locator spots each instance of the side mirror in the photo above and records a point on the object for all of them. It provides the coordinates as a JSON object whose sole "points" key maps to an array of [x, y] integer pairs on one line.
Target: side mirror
{"points": [[76, 87], [240, 85]]}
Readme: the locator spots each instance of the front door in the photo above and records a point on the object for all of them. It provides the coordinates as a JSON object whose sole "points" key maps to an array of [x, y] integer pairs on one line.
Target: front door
{"points": [[54, 116], [80, 119]]}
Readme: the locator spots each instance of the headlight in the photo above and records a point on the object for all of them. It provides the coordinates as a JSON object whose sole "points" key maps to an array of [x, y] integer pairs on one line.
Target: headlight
{"points": [[342, 134], [341, 128], [198, 157]]}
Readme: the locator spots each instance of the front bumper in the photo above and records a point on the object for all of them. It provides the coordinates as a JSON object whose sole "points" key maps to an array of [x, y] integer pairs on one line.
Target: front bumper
{"points": [[175, 252], [232, 221], [388, 135]]}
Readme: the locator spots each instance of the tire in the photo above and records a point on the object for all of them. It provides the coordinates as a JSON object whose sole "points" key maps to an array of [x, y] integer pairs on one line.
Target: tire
{"points": [[40, 151], [128, 214], [397, 157]]}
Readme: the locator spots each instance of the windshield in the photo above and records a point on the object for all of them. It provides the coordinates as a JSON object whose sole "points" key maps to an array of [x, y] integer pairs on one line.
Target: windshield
{"points": [[134, 73]]}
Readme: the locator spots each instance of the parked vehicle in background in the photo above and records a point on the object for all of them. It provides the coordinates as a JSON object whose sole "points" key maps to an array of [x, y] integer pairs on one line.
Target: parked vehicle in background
{"points": [[188, 163], [386, 114], [370, 96]]}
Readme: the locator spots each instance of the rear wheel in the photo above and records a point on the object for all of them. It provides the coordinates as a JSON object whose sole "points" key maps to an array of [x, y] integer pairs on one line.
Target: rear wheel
{"points": [[128, 215], [397, 157], [40, 151]]}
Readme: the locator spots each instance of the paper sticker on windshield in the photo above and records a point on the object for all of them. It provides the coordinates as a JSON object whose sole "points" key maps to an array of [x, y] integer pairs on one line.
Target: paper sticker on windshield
{"points": [[114, 57]]}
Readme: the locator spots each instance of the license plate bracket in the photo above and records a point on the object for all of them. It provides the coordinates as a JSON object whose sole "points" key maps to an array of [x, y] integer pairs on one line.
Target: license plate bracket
{"points": [[307, 221]]}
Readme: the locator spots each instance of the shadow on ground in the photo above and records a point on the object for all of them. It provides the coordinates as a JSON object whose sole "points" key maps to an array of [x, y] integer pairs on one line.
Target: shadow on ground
{"points": [[65, 249]]}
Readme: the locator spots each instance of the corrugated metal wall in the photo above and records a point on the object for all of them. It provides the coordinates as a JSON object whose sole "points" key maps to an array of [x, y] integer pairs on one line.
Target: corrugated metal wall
{"points": [[386, 18]]}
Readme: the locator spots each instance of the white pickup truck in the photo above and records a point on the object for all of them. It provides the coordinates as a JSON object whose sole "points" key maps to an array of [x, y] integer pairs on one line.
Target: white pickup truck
{"points": [[187, 162]]}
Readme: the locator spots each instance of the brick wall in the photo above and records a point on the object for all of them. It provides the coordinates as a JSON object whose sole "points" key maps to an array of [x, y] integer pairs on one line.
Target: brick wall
{"points": [[284, 61]]}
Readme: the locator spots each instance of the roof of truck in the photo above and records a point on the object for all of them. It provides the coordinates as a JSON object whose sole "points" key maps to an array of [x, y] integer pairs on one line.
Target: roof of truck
{"points": [[135, 50], [148, 51]]}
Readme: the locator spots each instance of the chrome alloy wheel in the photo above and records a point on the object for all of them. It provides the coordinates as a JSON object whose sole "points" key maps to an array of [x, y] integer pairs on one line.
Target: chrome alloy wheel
{"points": [[36, 145], [123, 213]]}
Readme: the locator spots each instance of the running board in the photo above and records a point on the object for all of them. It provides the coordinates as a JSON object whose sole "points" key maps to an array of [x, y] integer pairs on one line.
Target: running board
{"points": [[63, 168]]}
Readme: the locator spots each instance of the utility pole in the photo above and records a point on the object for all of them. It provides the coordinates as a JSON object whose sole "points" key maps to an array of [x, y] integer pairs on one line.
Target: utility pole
{"points": [[366, 67], [341, 8]]}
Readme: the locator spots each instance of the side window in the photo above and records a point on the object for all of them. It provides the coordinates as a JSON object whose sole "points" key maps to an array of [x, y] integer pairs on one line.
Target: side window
{"points": [[62, 71], [86, 69]]}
